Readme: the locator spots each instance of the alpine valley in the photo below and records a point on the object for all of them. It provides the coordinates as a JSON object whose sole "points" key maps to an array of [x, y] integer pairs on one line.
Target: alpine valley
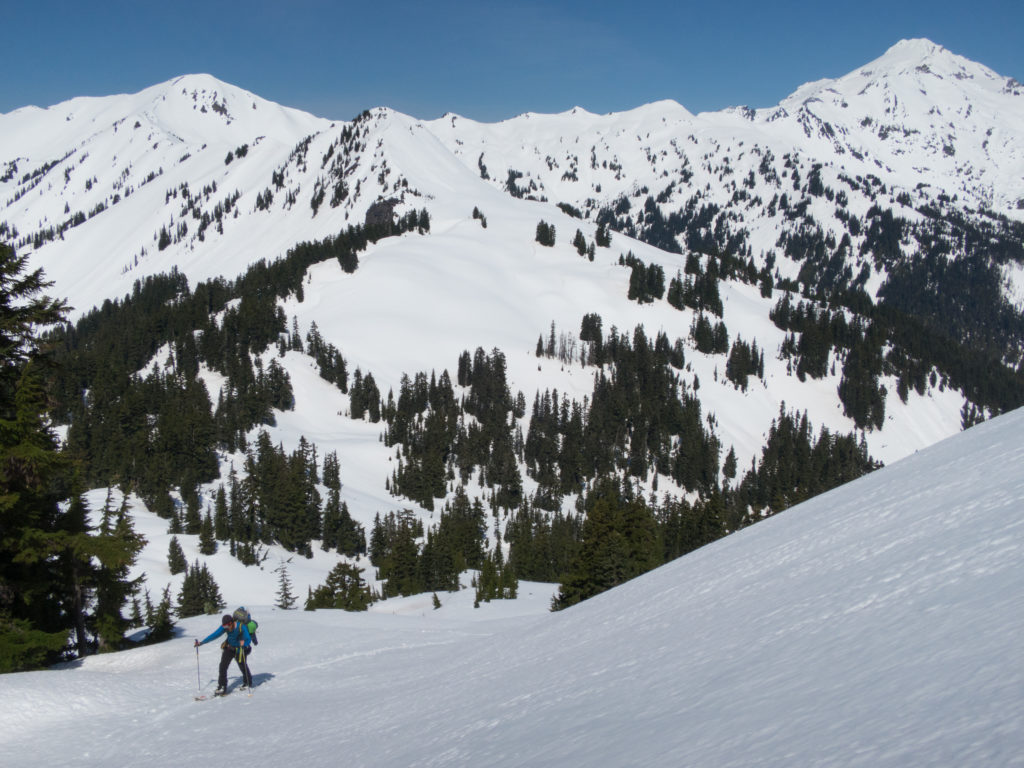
{"points": [[560, 348]]}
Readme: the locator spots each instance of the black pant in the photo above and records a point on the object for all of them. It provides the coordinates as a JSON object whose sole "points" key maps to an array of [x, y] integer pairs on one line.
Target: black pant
{"points": [[226, 656]]}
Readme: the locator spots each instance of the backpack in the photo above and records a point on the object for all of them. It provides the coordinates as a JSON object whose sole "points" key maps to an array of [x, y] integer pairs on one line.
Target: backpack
{"points": [[242, 616]]}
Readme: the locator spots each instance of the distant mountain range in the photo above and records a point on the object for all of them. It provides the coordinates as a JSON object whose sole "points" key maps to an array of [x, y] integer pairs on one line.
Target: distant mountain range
{"points": [[888, 205]]}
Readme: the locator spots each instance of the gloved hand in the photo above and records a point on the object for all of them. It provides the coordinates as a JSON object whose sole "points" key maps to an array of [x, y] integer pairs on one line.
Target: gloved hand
{"points": [[255, 640], [198, 643]]}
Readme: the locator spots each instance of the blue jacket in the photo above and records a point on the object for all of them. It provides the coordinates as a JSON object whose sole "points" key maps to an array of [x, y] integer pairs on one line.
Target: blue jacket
{"points": [[237, 637]]}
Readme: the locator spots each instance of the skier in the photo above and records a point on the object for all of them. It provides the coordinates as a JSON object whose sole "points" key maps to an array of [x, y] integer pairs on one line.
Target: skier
{"points": [[237, 646]]}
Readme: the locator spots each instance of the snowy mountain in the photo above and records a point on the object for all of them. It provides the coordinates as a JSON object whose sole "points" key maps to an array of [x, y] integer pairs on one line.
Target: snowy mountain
{"points": [[878, 625], [919, 126], [869, 186]]}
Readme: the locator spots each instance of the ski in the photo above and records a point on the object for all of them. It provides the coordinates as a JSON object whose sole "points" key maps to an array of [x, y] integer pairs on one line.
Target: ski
{"points": [[204, 696]]}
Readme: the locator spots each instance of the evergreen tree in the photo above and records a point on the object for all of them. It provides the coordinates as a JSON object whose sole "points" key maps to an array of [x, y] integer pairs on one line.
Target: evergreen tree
{"points": [[545, 233], [37, 540], [207, 541], [199, 593], [497, 580], [620, 541], [192, 520], [161, 627], [176, 560], [285, 598], [344, 589]]}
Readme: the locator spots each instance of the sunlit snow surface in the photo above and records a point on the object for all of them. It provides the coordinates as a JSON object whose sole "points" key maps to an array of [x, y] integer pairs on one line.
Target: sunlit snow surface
{"points": [[878, 624]]}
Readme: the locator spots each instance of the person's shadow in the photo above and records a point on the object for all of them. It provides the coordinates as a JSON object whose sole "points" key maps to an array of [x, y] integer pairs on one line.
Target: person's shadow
{"points": [[258, 678]]}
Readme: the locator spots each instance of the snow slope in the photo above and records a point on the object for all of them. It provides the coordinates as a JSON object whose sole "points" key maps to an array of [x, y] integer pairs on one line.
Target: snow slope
{"points": [[875, 625]]}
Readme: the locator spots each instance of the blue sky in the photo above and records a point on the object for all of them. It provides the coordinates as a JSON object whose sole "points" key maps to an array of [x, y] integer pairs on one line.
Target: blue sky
{"points": [[485, 60]]}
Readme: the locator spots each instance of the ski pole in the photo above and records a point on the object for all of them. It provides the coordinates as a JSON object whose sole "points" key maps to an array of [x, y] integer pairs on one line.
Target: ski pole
{"points": [[199, 680]]}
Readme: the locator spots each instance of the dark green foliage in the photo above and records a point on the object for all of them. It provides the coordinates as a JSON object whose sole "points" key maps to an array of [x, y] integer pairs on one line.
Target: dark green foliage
{"points": [[646, 283], [176, 560], [207, 539], [221, 524], [620, 540], [709, 339], [330, 362], [862, 396], [50, 562], [697, 290], [199, 593], [795, 465], [161, 624], [23, 647], [542, 545], [497, 580], [729, 465], [820, 331], [462, 532], [279, 500], [395, 553], [590, 331], [344, 589], [512, 187], [545, 234], [570, 210], [744, 360], [580, 243], [193, 521], [116, 550], [364, 397], [425, 420], [686, 527], [340, 531], [285, 598]]}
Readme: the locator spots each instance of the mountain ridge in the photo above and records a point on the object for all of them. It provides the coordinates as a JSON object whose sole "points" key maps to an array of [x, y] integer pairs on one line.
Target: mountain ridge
{"points": [[699, 198]]}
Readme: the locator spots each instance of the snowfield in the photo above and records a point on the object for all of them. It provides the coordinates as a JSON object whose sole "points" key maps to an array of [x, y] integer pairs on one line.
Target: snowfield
{"points": [[876, 625]]}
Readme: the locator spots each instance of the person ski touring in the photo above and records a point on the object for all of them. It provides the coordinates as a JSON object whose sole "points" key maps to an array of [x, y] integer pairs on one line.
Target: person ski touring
{"points": [[237, 646]]}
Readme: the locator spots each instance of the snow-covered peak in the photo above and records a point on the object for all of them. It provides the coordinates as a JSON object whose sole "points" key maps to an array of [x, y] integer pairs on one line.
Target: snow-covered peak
{"points": [[910, 66], [201, 107], [192, 108], [923, 55]]}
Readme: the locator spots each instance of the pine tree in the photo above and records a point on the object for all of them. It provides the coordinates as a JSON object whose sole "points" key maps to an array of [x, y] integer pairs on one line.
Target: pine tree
{"points": [[36, 545], [620, 541], [192, 520], [190, 598], [344, 589], [116, 553], [207, 541], [199, 592], [221, 526], [285, 598], [161, 627], [176, 560]]}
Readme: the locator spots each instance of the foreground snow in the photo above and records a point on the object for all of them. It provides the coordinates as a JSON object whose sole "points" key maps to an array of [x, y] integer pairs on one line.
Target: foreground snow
{"points": [[878, 624]]}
